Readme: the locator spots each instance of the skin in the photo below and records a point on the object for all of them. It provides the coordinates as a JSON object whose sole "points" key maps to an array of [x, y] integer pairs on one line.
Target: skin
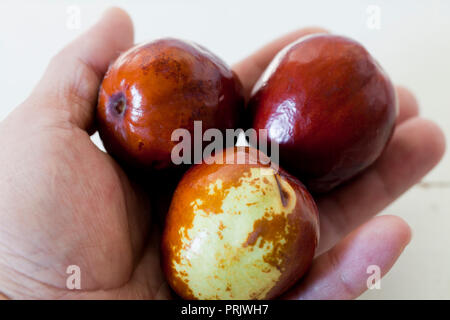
{"points": [[157, 87], [64, 202], [346, 119], [238, 230]]}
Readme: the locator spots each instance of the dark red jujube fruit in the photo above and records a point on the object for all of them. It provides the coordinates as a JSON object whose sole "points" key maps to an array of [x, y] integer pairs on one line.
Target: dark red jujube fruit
{"points": [[330, 107]]}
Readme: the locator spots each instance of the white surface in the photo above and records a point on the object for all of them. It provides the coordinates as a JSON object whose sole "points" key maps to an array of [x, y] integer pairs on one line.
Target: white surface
{"points": [[412, 44]]}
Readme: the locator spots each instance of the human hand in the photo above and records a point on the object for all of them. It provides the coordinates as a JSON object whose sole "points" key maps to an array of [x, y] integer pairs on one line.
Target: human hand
{"points": [[64, 202]]}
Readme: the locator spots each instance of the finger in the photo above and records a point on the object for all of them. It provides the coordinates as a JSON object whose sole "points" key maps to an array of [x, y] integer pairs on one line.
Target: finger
{"points": [[417, 146], [408, 106], [71, 81], [249, 69], [342, 272]]}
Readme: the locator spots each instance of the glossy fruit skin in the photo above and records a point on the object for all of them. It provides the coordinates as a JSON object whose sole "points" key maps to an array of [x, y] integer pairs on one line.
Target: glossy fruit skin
{"points": [[153, 89], [238, 231], [329, 105]]}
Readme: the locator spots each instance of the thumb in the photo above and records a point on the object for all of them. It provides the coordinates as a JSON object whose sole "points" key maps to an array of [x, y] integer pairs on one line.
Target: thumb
{"points": [[70, 84]]}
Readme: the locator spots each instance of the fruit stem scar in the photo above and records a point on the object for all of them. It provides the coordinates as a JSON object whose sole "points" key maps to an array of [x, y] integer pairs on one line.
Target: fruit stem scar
{"points": [[284, 196], [117, 102]]}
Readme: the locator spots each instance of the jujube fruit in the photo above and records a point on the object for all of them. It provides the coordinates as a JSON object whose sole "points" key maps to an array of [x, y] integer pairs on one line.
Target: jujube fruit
{"points": [[155, 88], [330, 107], [238, 230]]}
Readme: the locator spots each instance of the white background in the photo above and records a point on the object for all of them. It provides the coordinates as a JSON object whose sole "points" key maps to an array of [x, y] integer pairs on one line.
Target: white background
{"points": [[412, 44]]}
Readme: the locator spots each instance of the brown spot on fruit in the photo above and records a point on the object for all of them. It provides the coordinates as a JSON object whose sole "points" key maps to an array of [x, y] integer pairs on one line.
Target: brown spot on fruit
{"points": [[284, 195]]}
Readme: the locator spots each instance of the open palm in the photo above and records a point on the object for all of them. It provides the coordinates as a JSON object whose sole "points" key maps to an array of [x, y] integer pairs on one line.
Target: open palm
{"points": [[64, 202]]}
